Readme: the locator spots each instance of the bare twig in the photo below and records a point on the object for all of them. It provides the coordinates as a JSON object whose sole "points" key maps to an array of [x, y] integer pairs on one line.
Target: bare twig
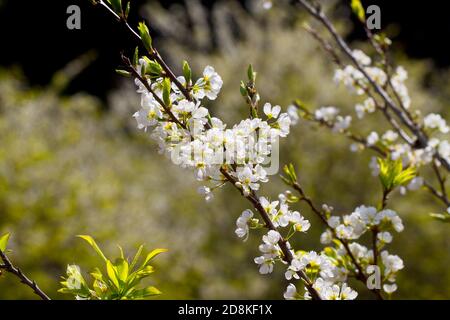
{"points": [[9, 267]]}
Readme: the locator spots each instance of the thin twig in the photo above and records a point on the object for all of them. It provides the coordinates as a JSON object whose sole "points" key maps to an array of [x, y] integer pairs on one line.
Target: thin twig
{"points": [[153, 55], [9, 267], [284, 244], [422, 138], [360, 275]]}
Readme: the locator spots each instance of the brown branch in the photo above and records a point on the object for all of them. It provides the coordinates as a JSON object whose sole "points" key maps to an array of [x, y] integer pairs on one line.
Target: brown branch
{"points": [[422, 138], [9, 267], [153, 55]]}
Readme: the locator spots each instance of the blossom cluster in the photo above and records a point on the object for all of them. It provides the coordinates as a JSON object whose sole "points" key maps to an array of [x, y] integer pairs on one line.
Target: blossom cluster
{"points": [[329, 279], [352, 227], [391, 141], [203, 143]]}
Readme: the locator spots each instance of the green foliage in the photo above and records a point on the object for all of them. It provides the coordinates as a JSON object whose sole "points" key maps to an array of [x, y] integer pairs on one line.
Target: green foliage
{"points": [[145, 36], [358, 10], [392, 174], [441, 217], [153, 69], [116, 5], [291, 178], [120, 280], [4, 242], [187, 72], [166, 91]]}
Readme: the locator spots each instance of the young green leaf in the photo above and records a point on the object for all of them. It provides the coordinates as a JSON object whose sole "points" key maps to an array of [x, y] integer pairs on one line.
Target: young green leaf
{"points": [[441, 217], [136, 57], [4, 242], [358, 10], [187, 72], [117, 6], [166, 92], [127, 10], [145, 36], [251, 74], [123, 73], [94, 245], [153, 254], [111, 271], [136, 257]]}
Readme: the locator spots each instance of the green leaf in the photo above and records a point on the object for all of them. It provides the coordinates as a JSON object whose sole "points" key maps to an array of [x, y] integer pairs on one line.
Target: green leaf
{"points": [[166, 92], [127, 10], [251, 74], [112, 273], [123, 73], [441, 217], [122, 268], [393, 175], [136, 57], [187, 72], [117, 6], [144, 293], [94, 245], [153, 254], [4, 242], [136, 257], [243, 89], [358, 10], [145, 36]]}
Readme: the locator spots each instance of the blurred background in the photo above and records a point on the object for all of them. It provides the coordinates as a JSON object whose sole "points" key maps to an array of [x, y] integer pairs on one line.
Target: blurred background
{"points": [[72, 161]]}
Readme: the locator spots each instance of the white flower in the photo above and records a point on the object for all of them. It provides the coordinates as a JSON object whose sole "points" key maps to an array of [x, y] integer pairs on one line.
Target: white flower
{"points": [[389, 136], [415, 184], [378, 75], [326, 237], [372, 139], [344, 232], [390, 288], [368, 215], [209, 85], [265, 264], [348, 293], [150, 112], [296, 265], [392, 263], [435, 121], [242, 224], [300, 223], [266, 4], [342, 123], [293, 114], [392, 217], [206, 191], [269, 207], [291, 292], [368, 106], [247, 179], [271, 112], [334, 221], [385, 237], [284, 123], [272, 237], [374, 166], [361, 57], [326, 113]]}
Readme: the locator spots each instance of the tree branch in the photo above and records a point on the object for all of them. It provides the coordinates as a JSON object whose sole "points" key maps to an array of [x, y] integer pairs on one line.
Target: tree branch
{"points": [[9, 267]]}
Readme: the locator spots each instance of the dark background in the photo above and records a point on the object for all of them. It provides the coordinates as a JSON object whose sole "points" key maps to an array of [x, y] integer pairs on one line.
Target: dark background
{"points": [[34, 36]]}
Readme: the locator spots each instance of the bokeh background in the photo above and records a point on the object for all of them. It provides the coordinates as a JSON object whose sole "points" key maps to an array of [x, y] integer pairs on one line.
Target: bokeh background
{"points": [[72, 161]]}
